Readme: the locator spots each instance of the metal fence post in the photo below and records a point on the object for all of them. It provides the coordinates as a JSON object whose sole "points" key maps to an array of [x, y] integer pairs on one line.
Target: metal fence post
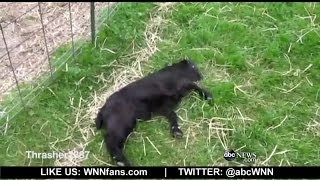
{"points": [[11, 65], [45, 38], [71, 29], [93, 28]]}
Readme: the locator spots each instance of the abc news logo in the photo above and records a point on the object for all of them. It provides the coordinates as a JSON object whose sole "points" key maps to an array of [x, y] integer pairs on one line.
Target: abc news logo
{"points": [[230, 155]]}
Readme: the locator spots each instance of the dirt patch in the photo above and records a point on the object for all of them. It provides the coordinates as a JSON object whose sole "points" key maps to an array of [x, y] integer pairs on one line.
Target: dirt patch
{"points": [[23, 33]]}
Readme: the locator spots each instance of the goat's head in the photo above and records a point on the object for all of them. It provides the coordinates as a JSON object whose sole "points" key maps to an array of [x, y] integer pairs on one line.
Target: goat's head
{"points": [[189, 70]]}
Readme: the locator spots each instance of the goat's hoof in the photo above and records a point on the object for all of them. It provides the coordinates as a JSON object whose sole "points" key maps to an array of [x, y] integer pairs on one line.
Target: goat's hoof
{"points": [[177, 133], [208, 96], [122, 164], [210, 99]]}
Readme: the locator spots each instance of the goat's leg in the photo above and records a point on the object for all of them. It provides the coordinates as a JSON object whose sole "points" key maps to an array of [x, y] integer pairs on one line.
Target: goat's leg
{"points": [[201, 91], [174, 126], [115, 148]]}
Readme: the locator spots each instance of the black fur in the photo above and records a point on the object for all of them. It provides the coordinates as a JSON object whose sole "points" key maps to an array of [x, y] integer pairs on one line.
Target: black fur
{"points": [[156, 94]]}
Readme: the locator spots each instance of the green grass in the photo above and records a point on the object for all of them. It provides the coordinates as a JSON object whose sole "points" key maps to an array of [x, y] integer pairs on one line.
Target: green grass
{"points": [[251, 61]]}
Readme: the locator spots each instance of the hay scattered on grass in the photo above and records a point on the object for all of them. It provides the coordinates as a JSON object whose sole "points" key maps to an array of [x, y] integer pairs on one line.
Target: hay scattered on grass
{"points": [[274, 127], [121, 76], [153, 145], [314, 125]]}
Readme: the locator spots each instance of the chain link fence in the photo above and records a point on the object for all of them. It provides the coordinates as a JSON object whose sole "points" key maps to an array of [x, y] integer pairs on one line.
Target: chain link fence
{"points": [[29, 35]]}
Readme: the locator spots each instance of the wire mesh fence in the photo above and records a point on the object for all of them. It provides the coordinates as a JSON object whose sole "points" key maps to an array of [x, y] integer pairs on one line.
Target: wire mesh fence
{"points": [[30, 33]]}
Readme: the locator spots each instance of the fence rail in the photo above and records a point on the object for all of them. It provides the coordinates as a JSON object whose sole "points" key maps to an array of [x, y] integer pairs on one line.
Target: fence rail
{"points": [[28, 59]]}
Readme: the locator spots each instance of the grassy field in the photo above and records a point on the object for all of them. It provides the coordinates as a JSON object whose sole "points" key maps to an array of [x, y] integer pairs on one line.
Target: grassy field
{"points": [[260, 60]]}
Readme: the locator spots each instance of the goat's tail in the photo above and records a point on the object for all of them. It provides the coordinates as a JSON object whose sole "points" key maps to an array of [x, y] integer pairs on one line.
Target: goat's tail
{"points": [[99, 120]]}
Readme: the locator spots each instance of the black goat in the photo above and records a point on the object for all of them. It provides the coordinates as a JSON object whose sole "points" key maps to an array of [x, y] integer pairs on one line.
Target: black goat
{"points": [[156, 94]]}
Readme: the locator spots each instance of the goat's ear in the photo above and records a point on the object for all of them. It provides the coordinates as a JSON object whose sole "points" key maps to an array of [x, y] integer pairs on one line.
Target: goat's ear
{"points": [[185, 61]]}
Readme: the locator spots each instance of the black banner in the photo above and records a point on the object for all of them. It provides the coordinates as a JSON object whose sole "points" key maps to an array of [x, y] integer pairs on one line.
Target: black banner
{"points": [[160, 172]]}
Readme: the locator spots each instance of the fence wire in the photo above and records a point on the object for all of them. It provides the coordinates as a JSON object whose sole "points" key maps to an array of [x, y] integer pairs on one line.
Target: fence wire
{"points": [[26, 58]]}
